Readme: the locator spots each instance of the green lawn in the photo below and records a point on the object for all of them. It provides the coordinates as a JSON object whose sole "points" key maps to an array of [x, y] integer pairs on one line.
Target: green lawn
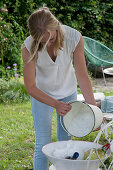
{"points": [[17, 138]]}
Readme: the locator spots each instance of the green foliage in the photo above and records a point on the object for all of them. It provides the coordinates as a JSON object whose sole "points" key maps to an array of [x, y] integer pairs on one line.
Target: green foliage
{"points": [[13, 91], [10, 41], [92, 18], [10, 72], [20, 10]]}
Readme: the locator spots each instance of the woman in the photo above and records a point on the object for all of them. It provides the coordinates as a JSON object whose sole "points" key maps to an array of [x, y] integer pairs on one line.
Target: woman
{"points": [[49, 77]]}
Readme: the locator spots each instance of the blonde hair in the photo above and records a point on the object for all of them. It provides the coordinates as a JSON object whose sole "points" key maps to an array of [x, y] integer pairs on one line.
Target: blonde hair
{"points": [[39, 22]]}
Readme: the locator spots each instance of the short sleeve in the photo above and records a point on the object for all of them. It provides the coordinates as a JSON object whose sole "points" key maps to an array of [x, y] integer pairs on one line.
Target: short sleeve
{"points": [[28, 41], [72, 38]]}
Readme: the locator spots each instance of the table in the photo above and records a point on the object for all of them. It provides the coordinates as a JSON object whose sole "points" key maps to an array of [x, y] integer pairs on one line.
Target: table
{"points": [[108, 71], [109, 117]]}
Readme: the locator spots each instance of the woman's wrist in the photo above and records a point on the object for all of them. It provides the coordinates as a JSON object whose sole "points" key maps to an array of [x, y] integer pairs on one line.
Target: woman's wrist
{"points": [[56, 103]]}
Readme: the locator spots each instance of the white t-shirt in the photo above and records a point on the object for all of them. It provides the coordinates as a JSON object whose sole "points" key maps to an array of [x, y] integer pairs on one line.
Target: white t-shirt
{"points": [[57, 78]]}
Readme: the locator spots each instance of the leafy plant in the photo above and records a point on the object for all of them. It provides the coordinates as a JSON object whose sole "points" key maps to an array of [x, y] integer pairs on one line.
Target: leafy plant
{"points": [[92, 18], [10, 40], [13, 91], [11, 72]]}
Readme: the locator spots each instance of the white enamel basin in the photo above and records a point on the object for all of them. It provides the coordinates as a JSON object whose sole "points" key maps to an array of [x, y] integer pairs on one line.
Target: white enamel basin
{"points": [[66, 164]]}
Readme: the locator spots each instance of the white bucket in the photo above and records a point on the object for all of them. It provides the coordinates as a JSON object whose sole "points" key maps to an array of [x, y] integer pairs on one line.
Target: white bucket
{"points": [[66, 164], [82, 119]]}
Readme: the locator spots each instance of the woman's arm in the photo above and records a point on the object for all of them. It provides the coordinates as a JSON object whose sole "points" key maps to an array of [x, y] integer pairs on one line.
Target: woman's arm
{"points": [[30, 84], [82, 74]]}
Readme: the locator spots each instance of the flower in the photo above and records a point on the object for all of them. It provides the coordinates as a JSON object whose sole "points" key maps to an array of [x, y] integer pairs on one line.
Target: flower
{"points": [[14, 64], [8, 67], [0, 18], [16, 75], [15, 69], [4, 10]]}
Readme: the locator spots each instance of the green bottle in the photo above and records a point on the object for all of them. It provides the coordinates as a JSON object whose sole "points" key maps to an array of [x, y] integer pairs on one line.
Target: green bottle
{"points": [[101, 152]]}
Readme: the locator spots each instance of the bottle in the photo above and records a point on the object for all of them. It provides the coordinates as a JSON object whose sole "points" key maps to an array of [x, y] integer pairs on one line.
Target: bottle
{"points": [[74, 157]]}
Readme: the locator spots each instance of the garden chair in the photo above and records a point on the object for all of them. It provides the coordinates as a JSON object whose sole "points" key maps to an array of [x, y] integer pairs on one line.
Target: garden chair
{"points": [[98, 54]]}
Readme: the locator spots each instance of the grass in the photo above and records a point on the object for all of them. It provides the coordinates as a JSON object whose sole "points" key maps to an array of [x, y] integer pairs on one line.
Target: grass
{"points": [[17, 138], [13, 91]]}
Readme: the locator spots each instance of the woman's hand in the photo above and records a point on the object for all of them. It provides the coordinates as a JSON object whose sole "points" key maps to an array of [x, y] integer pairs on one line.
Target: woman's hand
{"points": [[104, 119], [98, 104], [62, 108]]}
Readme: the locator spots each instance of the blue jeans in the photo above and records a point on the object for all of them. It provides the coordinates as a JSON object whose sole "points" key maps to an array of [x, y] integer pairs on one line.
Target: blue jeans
{"points": [[42, 117]]}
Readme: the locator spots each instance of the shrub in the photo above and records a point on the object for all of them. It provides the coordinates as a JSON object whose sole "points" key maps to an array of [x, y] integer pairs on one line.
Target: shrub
{"points": [[92, 18], [10, 41], [13, 91], [11, 72]]}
